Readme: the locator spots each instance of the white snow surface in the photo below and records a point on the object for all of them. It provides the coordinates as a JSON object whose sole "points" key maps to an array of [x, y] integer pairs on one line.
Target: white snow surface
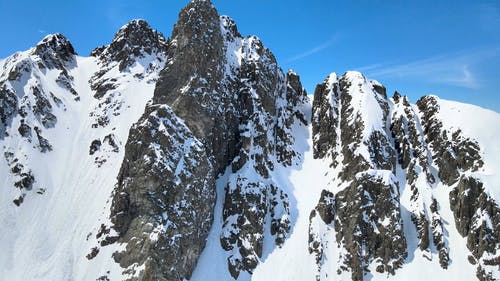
{"points": [[50, 235], [365, 102]]}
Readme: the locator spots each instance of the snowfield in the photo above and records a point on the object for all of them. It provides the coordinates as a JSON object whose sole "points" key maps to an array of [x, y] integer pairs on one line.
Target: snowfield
{"points": [[76, 191]]}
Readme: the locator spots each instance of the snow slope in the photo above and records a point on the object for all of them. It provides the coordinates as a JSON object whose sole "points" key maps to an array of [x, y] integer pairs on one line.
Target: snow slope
{"points": [[51, 232], [293, 261]]}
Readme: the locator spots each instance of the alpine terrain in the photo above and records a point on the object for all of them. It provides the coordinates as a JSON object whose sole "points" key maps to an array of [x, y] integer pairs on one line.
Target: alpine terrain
{"points": [[195, 157]]}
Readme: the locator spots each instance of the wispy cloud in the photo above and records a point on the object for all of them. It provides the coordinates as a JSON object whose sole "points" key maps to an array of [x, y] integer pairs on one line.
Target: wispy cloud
{"points": [[454, 69], [314, 50], [369, 67]]}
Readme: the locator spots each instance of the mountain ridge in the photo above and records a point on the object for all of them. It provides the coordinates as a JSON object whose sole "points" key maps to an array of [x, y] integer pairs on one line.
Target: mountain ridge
{"points": [[193, 149]]}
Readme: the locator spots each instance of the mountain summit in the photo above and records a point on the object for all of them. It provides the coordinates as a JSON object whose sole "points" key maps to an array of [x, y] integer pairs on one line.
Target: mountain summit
{"points": [[197, 158]]}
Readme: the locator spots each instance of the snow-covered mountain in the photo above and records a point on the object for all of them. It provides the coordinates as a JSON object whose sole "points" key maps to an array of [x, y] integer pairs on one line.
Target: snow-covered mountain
{"points": [[197, 158]]}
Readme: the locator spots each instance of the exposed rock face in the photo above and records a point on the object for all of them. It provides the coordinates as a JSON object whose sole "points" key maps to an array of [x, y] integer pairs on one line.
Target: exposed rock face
{"points": [[269, 104], [193, 82], [134, 40], [8, 107], [416, 158], [452, 152], [55, 51], [51, 102], [476, 213], [420, 142], [360, 149], [471, 206], [364, 213], [162, 203], [238, 107], [325, 118]]}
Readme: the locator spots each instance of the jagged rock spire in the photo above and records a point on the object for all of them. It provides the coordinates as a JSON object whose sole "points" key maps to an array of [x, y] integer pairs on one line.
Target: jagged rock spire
{"points": [[135, 39], [195, 55], [54, 50]]}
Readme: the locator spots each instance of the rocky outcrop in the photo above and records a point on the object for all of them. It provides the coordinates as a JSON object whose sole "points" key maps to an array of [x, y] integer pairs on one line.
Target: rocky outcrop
{"points": [[136, 50], [162, 205], [415, 157], [8, 108], [54, 51], [475, 212], [325, 118], [194, 85], [364, 211], [240, 109], [452, 152], [477, 217], [224, 120], [134, 40], [269, 104]]}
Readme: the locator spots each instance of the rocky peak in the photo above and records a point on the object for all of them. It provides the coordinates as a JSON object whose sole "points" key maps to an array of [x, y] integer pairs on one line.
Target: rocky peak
{"points": [[135, 39], [293, 78], [232, 30], [358, 144], [396, 97], [296, 92], [197, 40], [197, 21], [239, 106], [190, 83], [54, 50]]}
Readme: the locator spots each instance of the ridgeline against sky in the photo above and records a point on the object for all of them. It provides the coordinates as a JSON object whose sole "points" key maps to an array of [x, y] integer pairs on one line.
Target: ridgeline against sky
{"points": [[449, 48]]}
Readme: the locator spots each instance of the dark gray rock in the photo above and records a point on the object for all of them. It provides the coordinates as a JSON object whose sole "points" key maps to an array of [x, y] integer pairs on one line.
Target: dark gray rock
{"points": [[475, 212], [296, 97], [326, 206], [371, 195], [8, 108], [135, 43], [55, 51], [24, 130], [438, 235], [242, 111], [43, 144], [414, 156], [470, 204], [95, 146], [452, 152], [386, 244], [163, 205], [134, 40], [325, 119], [43, 108], [191, 81], [66, 82]]}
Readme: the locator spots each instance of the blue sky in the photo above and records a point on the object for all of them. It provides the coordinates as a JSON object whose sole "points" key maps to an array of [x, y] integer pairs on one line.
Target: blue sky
{"points": [[448, 48]]}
